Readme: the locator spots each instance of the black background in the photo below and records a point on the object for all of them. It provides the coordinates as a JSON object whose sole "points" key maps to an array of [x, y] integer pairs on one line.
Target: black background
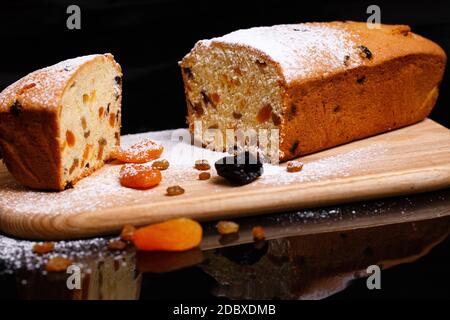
{"points": [[149, 37]]}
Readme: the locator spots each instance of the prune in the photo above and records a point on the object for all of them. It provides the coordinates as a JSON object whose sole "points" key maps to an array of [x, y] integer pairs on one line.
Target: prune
{"points": [[240, 169]]}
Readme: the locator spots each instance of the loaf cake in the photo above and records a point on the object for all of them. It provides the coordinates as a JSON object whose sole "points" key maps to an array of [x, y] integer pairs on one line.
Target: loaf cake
{"points": [[316, 85], [58, 124]]}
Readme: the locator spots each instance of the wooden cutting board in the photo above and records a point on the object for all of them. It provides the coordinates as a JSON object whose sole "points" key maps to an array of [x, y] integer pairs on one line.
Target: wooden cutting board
{"points": [[409, 160]]}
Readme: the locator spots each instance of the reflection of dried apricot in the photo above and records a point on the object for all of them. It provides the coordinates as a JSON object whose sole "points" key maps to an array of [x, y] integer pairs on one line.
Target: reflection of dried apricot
{"points": [[140, 152], [139, 176], [172, 235]]}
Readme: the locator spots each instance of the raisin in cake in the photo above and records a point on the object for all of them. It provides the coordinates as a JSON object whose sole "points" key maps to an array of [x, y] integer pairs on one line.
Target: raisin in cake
{"points": [[320, 84], [58, 124]]}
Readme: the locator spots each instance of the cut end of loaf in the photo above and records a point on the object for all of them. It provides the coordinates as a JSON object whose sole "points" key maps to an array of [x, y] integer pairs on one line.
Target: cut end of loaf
{"points": [[89, 120], [232, 90]]}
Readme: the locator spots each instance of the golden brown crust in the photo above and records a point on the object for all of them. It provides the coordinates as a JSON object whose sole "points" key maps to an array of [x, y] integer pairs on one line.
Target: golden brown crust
{"points": [[29, 123]]}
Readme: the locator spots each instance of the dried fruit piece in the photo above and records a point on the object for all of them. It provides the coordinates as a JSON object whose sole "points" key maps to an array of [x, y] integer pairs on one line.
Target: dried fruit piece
{"points": [[173, 235], [202, 165], [294, 147], [101, 146], [112, 120], [139, 176], [70, 138], [127, 232], [101, 112], [276, 119], [174, 191], [204, 176], [215, 98], [258, 233], [16, 108], [294, 166], [240, 169], [143, 151], [264, 113], [237, 115], [161, 164], [116, 245], [364, 52], [227, 227], [44, 247], [58, 264]]}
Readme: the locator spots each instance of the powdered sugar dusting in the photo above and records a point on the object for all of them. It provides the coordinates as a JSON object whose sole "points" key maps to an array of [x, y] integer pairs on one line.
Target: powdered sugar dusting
{"points": [[42, 88], [102, 190], [303, 50]]}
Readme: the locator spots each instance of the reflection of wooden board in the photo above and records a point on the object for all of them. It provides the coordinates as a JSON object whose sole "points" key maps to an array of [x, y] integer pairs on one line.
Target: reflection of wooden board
{"points": [[412, 159]]}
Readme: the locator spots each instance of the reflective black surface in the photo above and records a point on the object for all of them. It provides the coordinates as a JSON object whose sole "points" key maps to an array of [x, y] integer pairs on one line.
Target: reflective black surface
{"points": [[309, 254]]}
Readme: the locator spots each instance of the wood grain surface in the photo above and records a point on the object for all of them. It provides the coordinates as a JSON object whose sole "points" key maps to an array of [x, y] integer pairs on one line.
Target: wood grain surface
{"points": [[409, 160]]}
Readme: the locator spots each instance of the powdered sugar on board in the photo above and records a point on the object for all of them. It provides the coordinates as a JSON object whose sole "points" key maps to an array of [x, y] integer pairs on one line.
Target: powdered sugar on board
{"points": [[302, 50], [95, 192]]}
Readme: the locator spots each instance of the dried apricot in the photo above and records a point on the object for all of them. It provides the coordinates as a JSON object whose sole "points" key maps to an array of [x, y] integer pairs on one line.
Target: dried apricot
{"points": [[139, 176], [58, 264], [140, 152], [44, 247], [258, 233], [173, 235]]}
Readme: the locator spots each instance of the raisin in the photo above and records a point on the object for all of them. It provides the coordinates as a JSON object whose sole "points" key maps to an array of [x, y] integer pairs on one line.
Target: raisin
{"points": [[174, 191], [108, 108], [365, 52], [112, 120], [69, 185], [118, 80], [261, 64], [127, 232], [292, 112], [87, 134], [85, 98], [264, 113], [83, 123], [227, 227], [258, 233], [276, 119], [337, 108], [161, 164], [70, 138], [116, 245], [58, 264], [87, 165], [361, 79], [101, 112], [294, 166], [240, 169], [346, 60], [237, 115], [44, 247], [188, 72], [202, 165], [294, 147], [205, 97], [204, 176], [198, 109], [16, 108]]}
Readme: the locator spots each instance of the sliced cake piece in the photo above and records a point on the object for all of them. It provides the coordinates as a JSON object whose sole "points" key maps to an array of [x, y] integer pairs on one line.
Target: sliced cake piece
{"points": [[317, 84], [58, 124]]}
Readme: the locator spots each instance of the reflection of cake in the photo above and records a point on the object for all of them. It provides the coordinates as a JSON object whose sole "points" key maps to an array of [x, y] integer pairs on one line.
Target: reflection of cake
{"points": [[321, 84], [58, 124]]}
